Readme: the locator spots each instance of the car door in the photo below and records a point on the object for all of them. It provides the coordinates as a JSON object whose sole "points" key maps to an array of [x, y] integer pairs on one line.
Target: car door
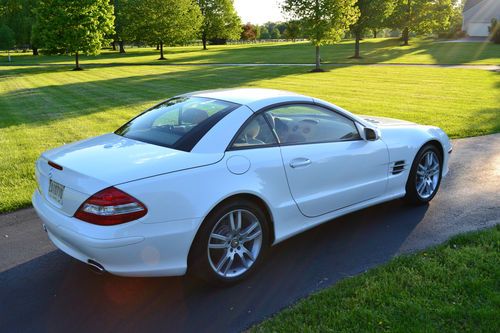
{"points": [[328, 165]]}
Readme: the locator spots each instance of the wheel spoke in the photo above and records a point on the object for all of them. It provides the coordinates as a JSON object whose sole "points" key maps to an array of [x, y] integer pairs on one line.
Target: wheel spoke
{"points": [[248, 253], [219, 237], [250, 229], [420, 187], [238, 221], [222, 261], [229, 264], [231, 221], [244, 260], [428, 160], [217, 246], [252, 236]]}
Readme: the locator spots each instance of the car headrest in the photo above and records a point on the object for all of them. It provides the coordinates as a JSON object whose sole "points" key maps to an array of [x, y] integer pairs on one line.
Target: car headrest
{"points": [[252, 129], [194, 116]]}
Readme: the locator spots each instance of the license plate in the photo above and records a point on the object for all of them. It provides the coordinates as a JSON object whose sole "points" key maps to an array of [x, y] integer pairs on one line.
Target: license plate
{"points": [[56, 191]]}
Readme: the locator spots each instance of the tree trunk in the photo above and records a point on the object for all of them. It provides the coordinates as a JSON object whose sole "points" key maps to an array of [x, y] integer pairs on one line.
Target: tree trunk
{"points": [[375, 33], [35, 51], [77, 63], [161, 51], [318, 59], [8, 54], [204, 40], [122, 47], [356, 45], [406, 36], [157, 47], [113, 45]]}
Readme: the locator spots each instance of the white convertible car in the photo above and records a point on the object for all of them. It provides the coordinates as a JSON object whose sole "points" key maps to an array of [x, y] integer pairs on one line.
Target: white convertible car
{"points": [[208, 181]]}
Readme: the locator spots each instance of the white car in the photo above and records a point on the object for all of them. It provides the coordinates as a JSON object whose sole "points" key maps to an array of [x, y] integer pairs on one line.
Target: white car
{"points": [[208, 181]]}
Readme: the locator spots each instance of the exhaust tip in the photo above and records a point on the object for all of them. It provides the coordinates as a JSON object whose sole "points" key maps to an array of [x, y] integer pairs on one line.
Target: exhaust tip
{"points": [[95, 267]]}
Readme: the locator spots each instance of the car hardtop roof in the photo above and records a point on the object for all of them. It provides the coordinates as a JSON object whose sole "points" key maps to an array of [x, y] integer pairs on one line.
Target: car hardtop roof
{"points": [[254, 98]]}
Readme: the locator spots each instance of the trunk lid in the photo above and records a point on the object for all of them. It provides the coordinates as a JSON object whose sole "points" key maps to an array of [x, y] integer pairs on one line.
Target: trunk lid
{"points": [[91, 165]]}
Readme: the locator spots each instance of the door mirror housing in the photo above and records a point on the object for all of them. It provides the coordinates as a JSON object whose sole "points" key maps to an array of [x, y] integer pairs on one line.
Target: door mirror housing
{"points": [[371, 134]]}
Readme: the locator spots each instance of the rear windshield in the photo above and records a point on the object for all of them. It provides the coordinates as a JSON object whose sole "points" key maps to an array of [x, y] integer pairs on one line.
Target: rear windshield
{"points": [[178, 123]]}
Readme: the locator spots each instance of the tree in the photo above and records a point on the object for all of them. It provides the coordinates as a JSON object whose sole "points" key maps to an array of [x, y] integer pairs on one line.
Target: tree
{"points": [[164, 22], [7, 39], [220, 20], [123, 10], [495, 31], [18, 15], [324, 21], [250, 32], [292, 30], [275, 33], [74, 26], [264, 33], [372, 14], [420, 16]]}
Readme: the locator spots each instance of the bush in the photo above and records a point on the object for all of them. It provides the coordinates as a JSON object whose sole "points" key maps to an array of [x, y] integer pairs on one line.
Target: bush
{"points": [[495, 31]]}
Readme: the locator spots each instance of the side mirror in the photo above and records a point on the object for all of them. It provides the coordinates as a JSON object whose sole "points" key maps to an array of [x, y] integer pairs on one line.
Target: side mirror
{"points": [[371, 134]]}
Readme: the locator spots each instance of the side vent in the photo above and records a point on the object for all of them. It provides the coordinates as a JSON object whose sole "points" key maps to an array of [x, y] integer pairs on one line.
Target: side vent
{"points": [[398, 167]]}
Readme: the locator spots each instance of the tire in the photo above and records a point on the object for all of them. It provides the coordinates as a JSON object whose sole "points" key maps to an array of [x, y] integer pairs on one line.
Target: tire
{"points": [[236, 248], [425, 175]]}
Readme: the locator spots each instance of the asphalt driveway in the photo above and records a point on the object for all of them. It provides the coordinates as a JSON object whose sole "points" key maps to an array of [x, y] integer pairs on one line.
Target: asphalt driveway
{"points": [[44, 290]]}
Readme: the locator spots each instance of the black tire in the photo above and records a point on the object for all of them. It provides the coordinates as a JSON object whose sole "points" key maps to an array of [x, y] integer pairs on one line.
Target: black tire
{"points": [[412, 194], [200, 256]]}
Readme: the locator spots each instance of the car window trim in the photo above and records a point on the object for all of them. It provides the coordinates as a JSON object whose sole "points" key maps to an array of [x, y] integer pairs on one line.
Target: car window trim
{"points": [[242, 127], [279, 143]]}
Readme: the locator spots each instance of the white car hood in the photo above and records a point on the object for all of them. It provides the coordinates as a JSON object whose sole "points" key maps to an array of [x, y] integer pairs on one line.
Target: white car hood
{"points": [[111, 159], [385, 122]]}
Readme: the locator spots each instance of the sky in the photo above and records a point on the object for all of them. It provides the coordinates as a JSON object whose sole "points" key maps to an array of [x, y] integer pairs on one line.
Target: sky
{"points": [[258, 11]]}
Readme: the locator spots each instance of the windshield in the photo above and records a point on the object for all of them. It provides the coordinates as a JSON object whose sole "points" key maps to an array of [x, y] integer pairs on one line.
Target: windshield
{"points": [[178, 123]]}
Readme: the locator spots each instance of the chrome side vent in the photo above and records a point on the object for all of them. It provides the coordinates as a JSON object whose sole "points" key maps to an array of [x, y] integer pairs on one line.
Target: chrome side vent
{"points": [[398, 167]]}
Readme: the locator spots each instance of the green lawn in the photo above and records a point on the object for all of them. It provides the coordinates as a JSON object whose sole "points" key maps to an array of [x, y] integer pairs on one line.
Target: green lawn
{"points": [[44, 107], [380, 50], [452, 288]]}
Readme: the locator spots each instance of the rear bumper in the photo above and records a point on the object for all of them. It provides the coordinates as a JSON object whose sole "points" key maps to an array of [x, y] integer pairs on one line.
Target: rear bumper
{"points": [[136, 248]]}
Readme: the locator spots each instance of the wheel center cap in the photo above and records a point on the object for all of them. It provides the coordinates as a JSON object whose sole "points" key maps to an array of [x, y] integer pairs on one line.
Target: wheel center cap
{"points": [[235, 243]]}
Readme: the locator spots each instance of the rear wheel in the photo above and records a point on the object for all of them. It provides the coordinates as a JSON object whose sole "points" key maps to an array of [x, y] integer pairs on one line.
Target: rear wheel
{"points": [[231, 243], [425, 175]]}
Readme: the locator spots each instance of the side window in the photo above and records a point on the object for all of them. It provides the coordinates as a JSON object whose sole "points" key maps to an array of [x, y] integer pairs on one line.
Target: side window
{"points": [[255, 133], [303, 123]]}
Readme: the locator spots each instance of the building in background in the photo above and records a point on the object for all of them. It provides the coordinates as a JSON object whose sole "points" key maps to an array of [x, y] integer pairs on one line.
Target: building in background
{"points": [[478, 15]]}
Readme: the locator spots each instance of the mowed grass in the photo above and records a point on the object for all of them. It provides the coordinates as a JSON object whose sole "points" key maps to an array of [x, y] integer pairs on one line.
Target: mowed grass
{"points": [[44, 107], [382, 50], [451, 288]]}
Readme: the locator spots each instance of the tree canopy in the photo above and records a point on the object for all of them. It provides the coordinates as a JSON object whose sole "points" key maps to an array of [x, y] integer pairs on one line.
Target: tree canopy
{"points": [[220, 20], [164, 22], [7, 38], [324, 21], [372, 15], [420, 16], [74, 26]]}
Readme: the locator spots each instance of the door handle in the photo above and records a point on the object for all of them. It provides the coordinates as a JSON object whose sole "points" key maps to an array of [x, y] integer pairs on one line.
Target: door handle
{"points": [[300, 162]]}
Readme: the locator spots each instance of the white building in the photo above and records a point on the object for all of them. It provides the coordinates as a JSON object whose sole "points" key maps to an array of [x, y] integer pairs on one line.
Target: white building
{"points": [[478, 15]]}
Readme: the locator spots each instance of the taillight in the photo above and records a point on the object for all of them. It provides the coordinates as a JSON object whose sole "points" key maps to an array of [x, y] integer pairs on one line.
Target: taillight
{"points": [[109, 207]]}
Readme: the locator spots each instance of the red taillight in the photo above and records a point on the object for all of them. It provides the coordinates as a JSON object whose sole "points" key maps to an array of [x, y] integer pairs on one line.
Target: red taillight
{"points": [[109, 207], [54, 165]]}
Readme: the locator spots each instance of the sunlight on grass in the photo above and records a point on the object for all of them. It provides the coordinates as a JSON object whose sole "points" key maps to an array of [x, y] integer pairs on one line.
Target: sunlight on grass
{"points": [[381, 50], [451, 288], [42, 108]]}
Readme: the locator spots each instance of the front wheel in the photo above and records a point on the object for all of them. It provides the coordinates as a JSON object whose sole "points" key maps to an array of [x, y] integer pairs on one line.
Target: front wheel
{"points": [[231, 243], [425, 175]]}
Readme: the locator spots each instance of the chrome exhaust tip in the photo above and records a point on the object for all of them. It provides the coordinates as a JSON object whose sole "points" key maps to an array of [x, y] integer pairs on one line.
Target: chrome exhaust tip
{"points": [[95, 267]]}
